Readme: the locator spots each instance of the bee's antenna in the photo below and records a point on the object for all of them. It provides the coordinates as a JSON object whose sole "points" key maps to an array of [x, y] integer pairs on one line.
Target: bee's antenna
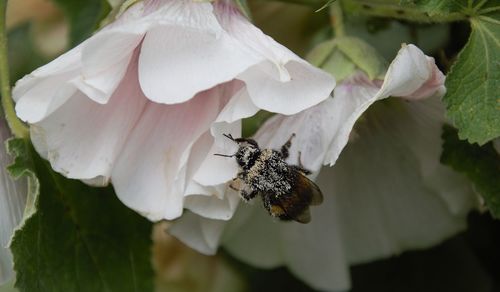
{"points": [[229, 136], [223, 155]]}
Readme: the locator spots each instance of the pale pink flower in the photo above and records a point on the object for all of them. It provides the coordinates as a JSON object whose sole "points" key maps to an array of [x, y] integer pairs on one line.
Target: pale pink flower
{"points": [[144, 101], [385, 194]]}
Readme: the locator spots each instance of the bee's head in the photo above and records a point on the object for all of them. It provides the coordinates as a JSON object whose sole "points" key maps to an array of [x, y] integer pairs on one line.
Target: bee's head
{"points": [[247, 154]]}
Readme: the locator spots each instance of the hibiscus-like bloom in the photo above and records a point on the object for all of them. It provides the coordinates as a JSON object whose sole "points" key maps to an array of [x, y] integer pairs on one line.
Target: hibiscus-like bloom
{"points": [[144, 101], [385, 194], [12, 202]]}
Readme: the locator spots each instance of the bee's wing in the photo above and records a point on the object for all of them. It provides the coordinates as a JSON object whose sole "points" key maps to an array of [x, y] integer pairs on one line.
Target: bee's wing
{"points": [[308, 188], [304, 217], [296, 205]]}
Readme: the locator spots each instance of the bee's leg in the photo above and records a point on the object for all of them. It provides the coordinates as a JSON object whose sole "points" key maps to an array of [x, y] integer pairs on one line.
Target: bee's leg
{"points": [[236, 180], [301, 167], [234, 188], [286, 147], [248, 195]]}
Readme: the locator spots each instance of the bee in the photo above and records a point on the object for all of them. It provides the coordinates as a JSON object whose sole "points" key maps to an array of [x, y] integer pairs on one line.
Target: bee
{"points": [[285, 190]]}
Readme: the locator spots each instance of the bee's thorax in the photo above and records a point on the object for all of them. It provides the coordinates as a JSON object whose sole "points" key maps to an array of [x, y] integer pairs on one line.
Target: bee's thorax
{"points": [[269, 173]]}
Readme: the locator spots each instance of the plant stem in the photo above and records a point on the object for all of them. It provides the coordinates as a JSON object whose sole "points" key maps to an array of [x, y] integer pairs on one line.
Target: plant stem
{"points": [[337, 19], [17, 128]]}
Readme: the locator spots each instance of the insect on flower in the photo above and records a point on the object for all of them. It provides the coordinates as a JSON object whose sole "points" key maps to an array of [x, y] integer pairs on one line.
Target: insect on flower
{"points": [[285, 190]]}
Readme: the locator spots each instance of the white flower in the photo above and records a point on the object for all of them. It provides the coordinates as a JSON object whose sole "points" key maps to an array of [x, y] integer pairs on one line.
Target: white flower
{"points": [[386, 193], [143, 102], [12, 202]]}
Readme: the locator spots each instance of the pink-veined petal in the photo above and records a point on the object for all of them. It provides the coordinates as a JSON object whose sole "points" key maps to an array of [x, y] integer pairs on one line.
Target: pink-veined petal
{"points": [[307, 87], [433, 87], [105, 60], [83, 138], [313, 129], [198, 233], [212, 202], [43, 91], [313, 252], [281, 81], [407, 73], [201, 56], [150, 173], [382, 188]]}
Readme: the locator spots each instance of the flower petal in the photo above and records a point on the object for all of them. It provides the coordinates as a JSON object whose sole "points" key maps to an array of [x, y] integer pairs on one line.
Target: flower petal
{"points": [[307, 87], [105, 61], [149, 176], [382, 192], [280, 81], [201, 56], [228, 122], [407, 73], [351, 99], [198, 233], [83, 138], [212, 202], [313, 252], [433, 87], [314, 129], [44, 90]]}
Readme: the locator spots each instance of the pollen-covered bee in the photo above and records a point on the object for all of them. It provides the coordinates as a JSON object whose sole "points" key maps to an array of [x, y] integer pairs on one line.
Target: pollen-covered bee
{"points": [[285, 190]]}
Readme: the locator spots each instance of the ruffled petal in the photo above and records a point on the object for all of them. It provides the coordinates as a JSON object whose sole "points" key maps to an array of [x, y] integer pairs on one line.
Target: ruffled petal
{"points": [[150, 173], [198, 233], [106, 55], [313, 252], [83, 138], [409, 73], [43, 91], [201, 56], [280, 81], [382, 190], [314, 129], [433, 87], [12, 203], [212, 202], [351, 99], [105, 61], [252, 237], [307, 87], [239, 107]]}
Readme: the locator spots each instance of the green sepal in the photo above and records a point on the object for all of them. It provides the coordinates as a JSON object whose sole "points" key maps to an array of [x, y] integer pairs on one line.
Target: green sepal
{"points": [[342, 56]]}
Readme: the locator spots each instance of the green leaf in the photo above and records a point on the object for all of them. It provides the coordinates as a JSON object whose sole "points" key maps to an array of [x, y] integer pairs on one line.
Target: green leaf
{"points": [[473, 100], [481, 164], [83, 16], [23, 166], [78, 238]]}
